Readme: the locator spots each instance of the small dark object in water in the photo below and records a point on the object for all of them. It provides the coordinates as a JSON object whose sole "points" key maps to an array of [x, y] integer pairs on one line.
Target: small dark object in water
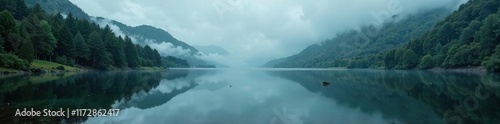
{"points": [[326, 84], [230, 85]]}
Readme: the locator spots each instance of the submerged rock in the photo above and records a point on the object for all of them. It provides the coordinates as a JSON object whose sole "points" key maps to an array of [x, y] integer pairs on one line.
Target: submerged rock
{"points": [[326, 84]]}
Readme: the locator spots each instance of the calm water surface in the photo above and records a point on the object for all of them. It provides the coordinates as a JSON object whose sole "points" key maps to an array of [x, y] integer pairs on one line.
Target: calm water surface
{"points": [[258, 96]]}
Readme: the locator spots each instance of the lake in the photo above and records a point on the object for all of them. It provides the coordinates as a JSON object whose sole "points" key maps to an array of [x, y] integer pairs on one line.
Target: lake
{"points": [[258, 96]]}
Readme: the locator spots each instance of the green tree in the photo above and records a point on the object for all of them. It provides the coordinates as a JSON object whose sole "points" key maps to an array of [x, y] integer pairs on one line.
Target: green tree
{"points": [[398, 56], [410, 59], [451, 58], [21, 10], [493, 63], [157, 58], [131, 53], [82, 51], [38, 11], [118, 52], [489, 34], [389, 59], [469, 33], [446, 33], [427, 62], [27, 51], [65, 45], [44, 40], [98, 54], [1, 44], [7, 30]]}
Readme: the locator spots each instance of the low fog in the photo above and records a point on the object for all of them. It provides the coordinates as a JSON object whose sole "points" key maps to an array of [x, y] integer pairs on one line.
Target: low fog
{"points": [[254, 31]]}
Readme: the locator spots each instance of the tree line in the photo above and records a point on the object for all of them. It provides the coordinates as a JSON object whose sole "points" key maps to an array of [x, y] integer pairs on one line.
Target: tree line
{"points": [[30, 33]]}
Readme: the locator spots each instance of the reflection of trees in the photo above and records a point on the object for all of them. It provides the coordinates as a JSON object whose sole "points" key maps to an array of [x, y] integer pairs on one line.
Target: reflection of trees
{"points": [[392, 92], [86, 90]]}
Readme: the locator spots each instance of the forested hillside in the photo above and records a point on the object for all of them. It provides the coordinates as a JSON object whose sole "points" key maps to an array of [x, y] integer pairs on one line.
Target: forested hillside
{"points": [[31, 33], [469, 37], [368, 41], [141, 34], [59, 6]]}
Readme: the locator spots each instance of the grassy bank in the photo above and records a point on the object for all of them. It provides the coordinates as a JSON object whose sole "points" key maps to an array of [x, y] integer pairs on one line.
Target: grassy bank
{"points": [[47, 66], [50, 66]]}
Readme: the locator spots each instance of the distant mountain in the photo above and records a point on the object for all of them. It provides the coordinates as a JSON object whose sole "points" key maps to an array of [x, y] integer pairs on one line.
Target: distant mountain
{"points": [[59, 6], [365, 42], [271, 63], [143, 34], [212, 49]]}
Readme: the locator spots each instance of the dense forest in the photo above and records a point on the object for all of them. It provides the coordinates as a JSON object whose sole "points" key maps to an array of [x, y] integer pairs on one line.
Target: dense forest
{"points": [[469, 37], [364, 42], [31, 33]]}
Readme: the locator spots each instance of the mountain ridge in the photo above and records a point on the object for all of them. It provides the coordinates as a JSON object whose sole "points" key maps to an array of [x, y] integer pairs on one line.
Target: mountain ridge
{"points": [[156, 34], [353, 43]]}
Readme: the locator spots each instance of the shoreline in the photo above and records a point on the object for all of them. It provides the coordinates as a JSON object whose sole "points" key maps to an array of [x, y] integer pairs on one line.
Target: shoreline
{"points": [[9, 72], [477, 69]]}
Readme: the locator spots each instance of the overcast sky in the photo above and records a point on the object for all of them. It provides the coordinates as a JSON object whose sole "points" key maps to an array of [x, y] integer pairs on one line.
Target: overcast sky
{"points": [[254, 31]]}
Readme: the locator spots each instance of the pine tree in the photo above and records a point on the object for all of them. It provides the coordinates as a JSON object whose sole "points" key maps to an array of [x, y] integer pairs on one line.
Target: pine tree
{"points": [[98, 54], [1, 44], [8, 30], [82, 51], [157, 58], [38, 11], [21, 10], [493, 63], [119, 53], [44, 41], [131, 53], [8, 24], [27, 51], [65, 45]]}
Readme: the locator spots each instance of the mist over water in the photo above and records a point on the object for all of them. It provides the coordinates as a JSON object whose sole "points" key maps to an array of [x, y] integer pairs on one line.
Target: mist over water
{"points": [[258, 96], [293, 96]]}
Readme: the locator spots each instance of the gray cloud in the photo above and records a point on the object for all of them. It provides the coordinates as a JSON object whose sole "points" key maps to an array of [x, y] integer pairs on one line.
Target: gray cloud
{"points": [[255, 31]]}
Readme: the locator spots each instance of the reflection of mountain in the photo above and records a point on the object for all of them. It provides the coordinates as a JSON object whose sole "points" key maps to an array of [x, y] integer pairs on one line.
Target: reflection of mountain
{"points": [[212, 49], [176, 83], [85, 90], [408, 96]]}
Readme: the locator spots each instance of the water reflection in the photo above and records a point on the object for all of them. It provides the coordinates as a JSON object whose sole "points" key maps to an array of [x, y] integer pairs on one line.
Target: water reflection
{"points": [[69, 90], [250, 96], [260, 96], [410, 96]]}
